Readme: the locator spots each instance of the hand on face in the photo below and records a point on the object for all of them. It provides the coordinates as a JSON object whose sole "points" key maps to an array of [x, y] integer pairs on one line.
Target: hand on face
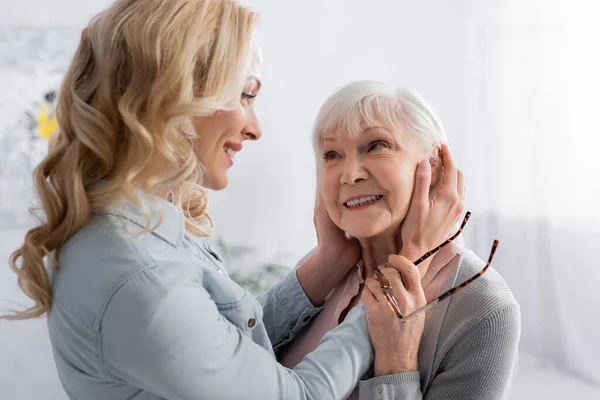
{"points": [[368, 179], [428, 222], [425, 226], [334, 247], [370, 189]]}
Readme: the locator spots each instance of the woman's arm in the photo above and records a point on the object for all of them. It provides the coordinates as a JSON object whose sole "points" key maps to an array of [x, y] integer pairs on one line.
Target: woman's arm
{"points": [[291, 303], [286, 306], [396, 343], [481, 365], [336, 253], [168, 338]]}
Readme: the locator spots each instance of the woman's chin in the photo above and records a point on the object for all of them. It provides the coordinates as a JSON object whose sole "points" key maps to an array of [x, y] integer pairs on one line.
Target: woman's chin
{"points": [[364, 232], [370, 229], [216, 182]]}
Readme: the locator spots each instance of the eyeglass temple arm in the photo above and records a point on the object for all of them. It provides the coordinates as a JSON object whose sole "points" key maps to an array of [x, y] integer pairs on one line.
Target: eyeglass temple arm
{"points": [[432, 252], [450, 292]]}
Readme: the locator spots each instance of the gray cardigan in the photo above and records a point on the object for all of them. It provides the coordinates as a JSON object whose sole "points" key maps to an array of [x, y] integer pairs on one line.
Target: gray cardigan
{"points": [[469, 346]]}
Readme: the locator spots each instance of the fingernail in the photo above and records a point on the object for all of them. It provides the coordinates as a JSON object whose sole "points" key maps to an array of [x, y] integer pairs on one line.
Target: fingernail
{"points": [[424, 164]]}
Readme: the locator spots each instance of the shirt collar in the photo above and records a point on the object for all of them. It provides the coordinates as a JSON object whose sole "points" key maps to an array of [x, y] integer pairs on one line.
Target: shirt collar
{"points": [[172, 226]]}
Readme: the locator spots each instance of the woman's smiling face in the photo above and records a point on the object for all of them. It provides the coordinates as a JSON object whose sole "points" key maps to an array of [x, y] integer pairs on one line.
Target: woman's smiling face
{"points": [[367, 181]]}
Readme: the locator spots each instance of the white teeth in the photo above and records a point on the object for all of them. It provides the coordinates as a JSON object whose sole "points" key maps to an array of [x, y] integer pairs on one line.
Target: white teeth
{"points": [[363, 200], [231, 152]]}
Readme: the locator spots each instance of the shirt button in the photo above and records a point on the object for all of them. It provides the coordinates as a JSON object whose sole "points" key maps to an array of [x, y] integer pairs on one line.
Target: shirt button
{"points": [[251, 322], [380, 388]]}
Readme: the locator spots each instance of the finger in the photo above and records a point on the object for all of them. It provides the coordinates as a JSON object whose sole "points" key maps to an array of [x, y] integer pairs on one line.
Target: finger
{"points": [[450, 173], [461, 196], [369, 299], [318, 207], [319, 204], [461, 186], [419, 202], [375, 288], [401, 298], [395, 279], [321, 218], [390, 304], [409, 271], [420, 196]]}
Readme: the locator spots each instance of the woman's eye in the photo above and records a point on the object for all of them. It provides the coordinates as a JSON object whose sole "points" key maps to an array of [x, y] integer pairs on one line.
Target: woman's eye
{"points": [[246, 97], [378, 145], [330, 155]]}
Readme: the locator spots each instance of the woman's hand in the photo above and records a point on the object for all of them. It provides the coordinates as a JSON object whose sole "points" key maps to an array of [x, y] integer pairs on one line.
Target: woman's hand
{"points": [[429, 222], [396, 343], [336, 254], [334, 247]]}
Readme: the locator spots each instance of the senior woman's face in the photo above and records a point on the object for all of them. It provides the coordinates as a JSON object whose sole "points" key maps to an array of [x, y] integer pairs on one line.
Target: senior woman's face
{"points": [[367, 182]]}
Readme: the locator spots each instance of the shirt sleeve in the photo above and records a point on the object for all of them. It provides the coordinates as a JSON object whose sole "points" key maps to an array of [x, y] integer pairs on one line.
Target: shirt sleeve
{"points": [[168, 338], [286, 308]]}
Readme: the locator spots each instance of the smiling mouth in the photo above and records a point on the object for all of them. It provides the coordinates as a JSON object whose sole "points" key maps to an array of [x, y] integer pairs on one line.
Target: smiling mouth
{"points": [[362, 201], [230, 151]]}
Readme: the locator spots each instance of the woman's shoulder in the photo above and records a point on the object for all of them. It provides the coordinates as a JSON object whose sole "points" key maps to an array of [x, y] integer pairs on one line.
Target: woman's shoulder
{"points": [[105, 256], [487, 297], [472, 334], [106, 248], [490, 288], [483, 312]]}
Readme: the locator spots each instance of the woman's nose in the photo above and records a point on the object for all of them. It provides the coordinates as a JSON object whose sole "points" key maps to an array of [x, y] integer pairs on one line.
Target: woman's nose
{"points": [[353, 172], [252, 129]]}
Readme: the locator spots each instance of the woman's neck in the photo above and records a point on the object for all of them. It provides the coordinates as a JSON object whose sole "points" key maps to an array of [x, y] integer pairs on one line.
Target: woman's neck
{"points": [[376, 249]]}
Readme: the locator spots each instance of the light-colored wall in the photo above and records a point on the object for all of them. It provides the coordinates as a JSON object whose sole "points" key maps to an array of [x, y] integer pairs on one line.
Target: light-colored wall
{"points": [[478, 63], [310, 47]]}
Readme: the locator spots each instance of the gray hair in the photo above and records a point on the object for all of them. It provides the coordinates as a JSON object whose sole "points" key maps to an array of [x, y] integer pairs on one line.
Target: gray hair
{"points": [[375, 104]]}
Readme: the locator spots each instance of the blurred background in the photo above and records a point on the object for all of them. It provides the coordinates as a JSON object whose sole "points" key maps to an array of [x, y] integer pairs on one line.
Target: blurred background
{"points": [[516, 83]]}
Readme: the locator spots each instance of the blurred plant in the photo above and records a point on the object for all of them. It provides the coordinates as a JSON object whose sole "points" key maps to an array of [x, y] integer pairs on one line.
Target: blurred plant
{"points": [[255, 277], [46, 117], [33, 61]]}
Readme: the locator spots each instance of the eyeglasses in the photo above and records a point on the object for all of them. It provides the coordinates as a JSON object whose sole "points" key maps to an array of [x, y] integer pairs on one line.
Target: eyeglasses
{"points": [[387, 288]]}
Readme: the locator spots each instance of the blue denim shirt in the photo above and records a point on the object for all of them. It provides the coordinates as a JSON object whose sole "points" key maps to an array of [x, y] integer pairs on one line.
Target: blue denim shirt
{"points": [[153, 316]]}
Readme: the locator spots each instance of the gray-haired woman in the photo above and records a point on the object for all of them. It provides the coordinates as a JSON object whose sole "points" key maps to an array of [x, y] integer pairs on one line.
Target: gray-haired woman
{"points": [[369, 140]]}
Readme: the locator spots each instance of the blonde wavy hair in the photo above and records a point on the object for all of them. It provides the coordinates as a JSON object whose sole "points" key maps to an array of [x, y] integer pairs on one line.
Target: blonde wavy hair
{"points": [[143, 69]]}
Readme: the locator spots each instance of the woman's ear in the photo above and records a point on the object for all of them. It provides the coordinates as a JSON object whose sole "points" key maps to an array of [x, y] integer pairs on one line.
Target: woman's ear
{"points": [[437, 172]]}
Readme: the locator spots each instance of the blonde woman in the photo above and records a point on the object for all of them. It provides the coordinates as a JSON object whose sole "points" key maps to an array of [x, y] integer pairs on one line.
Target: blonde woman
{"points": [[369, 139], [155, 105]]}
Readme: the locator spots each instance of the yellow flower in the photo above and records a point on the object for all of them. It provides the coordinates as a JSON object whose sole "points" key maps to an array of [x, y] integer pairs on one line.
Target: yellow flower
{"points": [[46, 126]]}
